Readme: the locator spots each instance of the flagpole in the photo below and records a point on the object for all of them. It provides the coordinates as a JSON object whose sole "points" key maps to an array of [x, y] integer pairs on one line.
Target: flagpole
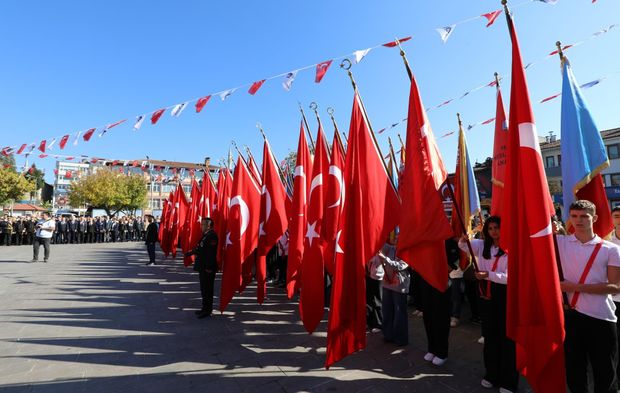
{"points": [[260, 128], [392, 155], [346, 65], [315, 107], [303, 115], [402, 144], [330, 111], [239, 152], [558, 261], [458, 209]]}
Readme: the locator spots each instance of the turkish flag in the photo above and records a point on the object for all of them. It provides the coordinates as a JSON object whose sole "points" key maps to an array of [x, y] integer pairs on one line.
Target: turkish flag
{"points": [[371, 211], [498, 171], [321, 70], [297, 227], [42, 146], [242, 231], [162, 226], [63, 141], [424, 225], [334, 201], [312, 294], [156, 115], [208, 195], [179, 213], [201, 103], [255, 86], [273, 216], [192, 230], [254, 169], [534, 315], [88, 134], [21, 148], [224, 190]]}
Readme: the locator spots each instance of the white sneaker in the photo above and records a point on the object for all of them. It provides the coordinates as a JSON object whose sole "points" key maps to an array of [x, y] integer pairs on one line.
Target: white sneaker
{"points": [[486, 384], [454, 322], [481, 340], [439, 361], [504, 390], [429, 357], [375, 330]]}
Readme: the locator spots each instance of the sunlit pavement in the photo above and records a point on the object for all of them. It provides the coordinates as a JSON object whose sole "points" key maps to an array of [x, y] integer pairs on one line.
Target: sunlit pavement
{"points": [[96, 319]]}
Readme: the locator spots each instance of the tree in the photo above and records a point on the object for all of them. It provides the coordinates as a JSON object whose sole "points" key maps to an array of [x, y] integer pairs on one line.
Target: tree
{"points": [[13, 185], [36, 176], [111, 191]]}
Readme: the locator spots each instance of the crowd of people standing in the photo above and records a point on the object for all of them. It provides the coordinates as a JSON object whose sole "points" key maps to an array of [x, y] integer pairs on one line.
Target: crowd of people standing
{"points": [[74, 230]]}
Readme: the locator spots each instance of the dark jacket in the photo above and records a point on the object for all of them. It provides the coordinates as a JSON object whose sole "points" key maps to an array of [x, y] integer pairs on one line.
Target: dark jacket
{"points": [[206, 252], [152, 233], [452, 253]]}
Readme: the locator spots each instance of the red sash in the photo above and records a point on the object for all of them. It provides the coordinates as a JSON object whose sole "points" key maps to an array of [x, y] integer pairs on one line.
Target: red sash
{"points": [[585, 272]]}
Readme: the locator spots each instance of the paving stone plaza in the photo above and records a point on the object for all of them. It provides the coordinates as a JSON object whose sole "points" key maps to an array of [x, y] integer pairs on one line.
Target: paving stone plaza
{"points": [[96, 319]]}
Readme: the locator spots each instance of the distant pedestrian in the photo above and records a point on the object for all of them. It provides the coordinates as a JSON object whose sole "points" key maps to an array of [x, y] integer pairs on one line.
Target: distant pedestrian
{"points": [[43, 235]]}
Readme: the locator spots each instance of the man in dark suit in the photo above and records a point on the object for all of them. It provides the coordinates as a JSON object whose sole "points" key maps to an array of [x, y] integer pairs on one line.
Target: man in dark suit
{"points": [[206, 265], [151, 240]]}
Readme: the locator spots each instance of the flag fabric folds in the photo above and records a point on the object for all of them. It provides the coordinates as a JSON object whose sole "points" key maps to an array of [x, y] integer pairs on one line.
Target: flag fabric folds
{"points": [[321, 70], [334, 201], [63, 142], [273, 216], [584, 154], [498, 170], [255, 86], [87, 135], [297, 226], [312, 295], [179, 213], [242, 231], [371, 210], [201, 102], [424, 225], [155, 116], [534, 314]]}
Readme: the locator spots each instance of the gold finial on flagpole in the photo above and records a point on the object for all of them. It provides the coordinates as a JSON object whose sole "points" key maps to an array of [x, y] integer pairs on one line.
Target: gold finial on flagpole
{"points": [[558, 44], [497, 80], [458, 116], [260, 128], [404, 56], [331, 111], [346, 65], [402, 144], [506, 10]]}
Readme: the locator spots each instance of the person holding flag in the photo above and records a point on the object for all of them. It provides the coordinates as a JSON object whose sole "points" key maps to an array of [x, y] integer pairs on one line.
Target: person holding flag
{"points": [[206, 265], [499, 353]]}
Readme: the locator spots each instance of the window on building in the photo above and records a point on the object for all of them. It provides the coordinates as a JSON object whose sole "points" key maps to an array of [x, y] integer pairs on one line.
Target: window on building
{"points": [[614, 179], [613, 151], [559, 159], [550, 161]]}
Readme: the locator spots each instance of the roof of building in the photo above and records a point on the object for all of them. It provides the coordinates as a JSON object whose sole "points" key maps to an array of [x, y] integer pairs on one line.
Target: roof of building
{"points": [[28, 207], [614, 132]]}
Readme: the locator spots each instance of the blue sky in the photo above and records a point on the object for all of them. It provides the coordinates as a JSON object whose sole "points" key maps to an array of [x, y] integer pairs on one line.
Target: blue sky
{"points": [[72, 65]]}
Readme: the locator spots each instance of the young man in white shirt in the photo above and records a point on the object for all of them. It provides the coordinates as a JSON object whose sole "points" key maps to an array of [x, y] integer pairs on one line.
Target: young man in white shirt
{"points": [[43, 235], [591, 268], [614, 237]]}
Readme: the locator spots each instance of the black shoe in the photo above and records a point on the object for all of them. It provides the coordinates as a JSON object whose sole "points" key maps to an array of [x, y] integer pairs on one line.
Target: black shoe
{"points": [[203, 314], [45, 260], [197, 312], [34, 260]]}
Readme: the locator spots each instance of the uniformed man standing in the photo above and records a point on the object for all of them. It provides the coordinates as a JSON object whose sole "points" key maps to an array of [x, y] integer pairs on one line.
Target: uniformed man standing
{"points": [[206, 265]]}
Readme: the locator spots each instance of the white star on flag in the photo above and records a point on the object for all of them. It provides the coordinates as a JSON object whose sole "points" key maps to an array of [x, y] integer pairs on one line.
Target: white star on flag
{"points": [[178, 108], [288, 80], [228, 242], [138, 123], [445, 32], [311, 232], [360, 54]]}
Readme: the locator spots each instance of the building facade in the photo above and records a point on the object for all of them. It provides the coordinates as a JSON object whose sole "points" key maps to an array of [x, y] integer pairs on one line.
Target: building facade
{"points": [[552, 161]]}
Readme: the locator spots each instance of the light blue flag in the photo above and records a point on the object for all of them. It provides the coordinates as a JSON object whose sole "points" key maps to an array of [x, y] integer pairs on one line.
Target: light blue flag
{"points": [[583, 151]]}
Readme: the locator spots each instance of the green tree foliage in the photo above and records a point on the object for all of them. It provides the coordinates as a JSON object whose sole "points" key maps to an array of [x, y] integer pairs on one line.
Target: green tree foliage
{"points": [[13, 185], [111, 191], [36, 175]]}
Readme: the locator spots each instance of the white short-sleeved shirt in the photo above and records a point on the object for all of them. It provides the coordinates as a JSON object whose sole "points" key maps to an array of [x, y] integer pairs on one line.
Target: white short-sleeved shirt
{"points": [[574, 256], [500, 275], [614, 239], [45, 224]]}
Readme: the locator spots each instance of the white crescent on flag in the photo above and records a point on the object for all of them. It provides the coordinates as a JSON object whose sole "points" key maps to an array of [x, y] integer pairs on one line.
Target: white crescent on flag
{"points": [[245, 212], [337, 173]]}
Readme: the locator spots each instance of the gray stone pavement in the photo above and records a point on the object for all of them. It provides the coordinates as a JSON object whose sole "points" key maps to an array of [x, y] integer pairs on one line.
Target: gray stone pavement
{"points": [[95, 319]]}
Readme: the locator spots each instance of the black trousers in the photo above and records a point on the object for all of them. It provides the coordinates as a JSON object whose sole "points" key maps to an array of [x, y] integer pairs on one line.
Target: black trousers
{"points": [[150, 248], [207, 282], [592, 339], [499, 353], [436, 308], [38, 241], [374, 317], [618, 335]]}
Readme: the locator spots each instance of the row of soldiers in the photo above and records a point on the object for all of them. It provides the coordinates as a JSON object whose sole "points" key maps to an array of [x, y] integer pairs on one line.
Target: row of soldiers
{"points": [[74, 230]]}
